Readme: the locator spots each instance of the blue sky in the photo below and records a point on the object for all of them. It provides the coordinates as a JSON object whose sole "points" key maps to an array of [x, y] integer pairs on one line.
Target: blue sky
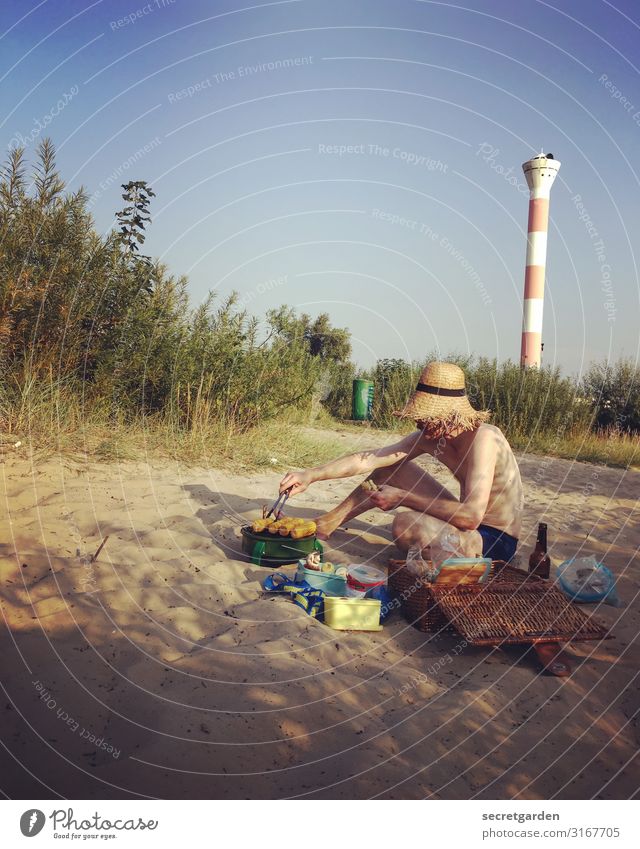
{"points": [[356, 158]]}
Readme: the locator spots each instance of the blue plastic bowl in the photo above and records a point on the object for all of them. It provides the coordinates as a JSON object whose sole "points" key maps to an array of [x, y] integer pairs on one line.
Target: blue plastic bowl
{"points": [[585, 597]]}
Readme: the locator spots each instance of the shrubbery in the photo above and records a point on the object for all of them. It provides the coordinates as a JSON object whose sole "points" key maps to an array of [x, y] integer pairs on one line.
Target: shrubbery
{"points": [[525, 404], [90, 318], [79, 309], [613, 391]]}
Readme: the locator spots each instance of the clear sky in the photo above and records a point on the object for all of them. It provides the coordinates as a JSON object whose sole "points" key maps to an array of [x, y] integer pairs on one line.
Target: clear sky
{"points": [[356, 157]]}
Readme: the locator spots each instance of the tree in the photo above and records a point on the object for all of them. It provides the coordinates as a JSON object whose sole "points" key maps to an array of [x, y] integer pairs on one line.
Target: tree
{"points": [[329, 344], [132, 220]]}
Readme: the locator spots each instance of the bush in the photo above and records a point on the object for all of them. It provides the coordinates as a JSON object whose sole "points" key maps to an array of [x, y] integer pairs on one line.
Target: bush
{"points": [[523, 403], [394, 381], [94, 316], [87, 317], [338, 400], [613, 391], [527, 402]]}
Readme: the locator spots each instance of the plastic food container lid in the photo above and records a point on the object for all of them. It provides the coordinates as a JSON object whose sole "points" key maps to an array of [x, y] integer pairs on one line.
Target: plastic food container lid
{"points": [[365, 577]]}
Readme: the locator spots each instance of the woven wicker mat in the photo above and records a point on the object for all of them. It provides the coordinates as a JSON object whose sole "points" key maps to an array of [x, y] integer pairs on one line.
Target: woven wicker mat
{"points": [[514, 612]]}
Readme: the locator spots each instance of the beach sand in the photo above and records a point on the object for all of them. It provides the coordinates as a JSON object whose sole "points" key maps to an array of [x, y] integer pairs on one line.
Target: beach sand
{"points": [[162, 671]]}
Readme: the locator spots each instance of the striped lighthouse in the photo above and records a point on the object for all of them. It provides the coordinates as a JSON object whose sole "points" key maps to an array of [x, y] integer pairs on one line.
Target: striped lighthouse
{"points": [[540, 173]]}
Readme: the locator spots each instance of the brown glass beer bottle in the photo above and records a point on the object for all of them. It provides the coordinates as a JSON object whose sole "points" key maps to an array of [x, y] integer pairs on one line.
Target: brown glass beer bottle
{"points": [[539, 561]]}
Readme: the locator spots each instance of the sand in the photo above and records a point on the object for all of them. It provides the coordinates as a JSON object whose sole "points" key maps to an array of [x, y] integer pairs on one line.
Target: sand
{"points": [[162, 671]]}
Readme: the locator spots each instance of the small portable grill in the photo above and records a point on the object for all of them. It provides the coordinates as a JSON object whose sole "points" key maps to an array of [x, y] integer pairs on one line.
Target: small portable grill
{"points": [[265, 549]]}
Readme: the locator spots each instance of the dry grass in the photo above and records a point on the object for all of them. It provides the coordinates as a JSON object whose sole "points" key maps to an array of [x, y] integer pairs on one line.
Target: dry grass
{"points": [[50, 418], [611, 448], [274, 445], [270, 445]]}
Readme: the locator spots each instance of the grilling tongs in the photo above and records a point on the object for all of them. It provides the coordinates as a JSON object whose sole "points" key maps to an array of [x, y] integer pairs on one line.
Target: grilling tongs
{"points": [[277, 505]]}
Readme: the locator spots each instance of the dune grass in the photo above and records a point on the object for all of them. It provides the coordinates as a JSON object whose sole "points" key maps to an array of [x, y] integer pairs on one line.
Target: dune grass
{"points": [[608, 448], [51, 418]]}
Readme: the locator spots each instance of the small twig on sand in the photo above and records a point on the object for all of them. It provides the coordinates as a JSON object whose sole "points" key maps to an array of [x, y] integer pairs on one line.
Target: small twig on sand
{"points": [[100, 547]]}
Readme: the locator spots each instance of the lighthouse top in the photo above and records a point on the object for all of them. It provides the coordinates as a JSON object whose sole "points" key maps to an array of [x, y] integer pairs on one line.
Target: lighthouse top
{"points": [[540, 173]]}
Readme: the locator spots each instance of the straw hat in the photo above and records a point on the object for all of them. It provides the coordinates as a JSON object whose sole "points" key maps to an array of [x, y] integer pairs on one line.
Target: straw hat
{"points": [[441, 401]]}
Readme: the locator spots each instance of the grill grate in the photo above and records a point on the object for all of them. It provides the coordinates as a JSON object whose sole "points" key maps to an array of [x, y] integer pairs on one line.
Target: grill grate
{"points": [[512, 607], [510, 613]]}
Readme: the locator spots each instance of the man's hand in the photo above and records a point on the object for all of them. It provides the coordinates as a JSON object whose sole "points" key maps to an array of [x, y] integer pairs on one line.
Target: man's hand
{"points": [[387, 497], [296, 481]]}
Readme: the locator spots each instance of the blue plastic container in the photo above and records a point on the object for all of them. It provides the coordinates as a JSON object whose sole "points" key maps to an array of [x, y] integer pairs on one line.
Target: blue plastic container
{"points": [[464, 565], [583, 596], [326, 581], [385, 598]]}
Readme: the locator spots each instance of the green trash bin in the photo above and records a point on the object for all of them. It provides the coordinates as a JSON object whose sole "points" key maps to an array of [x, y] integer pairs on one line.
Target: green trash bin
{"points": [[362, 400]]}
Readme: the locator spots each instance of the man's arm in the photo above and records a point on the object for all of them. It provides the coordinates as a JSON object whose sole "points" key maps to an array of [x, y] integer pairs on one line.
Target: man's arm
{"points": [[360, 463], [465, 514]]}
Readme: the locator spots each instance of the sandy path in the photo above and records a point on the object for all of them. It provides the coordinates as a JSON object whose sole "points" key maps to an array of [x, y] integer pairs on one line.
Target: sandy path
{"points": [[162, 671]]}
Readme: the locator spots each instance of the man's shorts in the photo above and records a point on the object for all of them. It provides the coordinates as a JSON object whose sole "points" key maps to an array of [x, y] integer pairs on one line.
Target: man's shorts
{"points": [[496, 544]]}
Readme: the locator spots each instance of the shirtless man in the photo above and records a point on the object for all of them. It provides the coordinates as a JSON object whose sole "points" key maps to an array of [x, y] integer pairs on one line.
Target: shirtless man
{"points": [[488, 513]]}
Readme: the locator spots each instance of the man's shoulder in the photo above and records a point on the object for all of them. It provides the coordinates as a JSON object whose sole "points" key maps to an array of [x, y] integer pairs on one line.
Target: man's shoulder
{"points": [[488, 436], [489, 431]]}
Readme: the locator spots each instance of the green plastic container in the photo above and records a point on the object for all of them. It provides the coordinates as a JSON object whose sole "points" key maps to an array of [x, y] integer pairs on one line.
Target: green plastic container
{"points": [[362, 400], [265, 549]]}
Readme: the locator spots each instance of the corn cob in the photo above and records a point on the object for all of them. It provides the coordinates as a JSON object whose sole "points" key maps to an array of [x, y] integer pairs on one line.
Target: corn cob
{"points": [[301, 531], [261, 524], [287, 524]]}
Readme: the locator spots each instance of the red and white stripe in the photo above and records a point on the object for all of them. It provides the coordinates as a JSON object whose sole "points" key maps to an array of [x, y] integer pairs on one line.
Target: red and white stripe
{"points": [[540, 174]]}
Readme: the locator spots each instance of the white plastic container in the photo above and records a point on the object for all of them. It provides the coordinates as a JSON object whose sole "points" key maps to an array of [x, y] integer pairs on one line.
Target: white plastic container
{"points": [[362, 578]]}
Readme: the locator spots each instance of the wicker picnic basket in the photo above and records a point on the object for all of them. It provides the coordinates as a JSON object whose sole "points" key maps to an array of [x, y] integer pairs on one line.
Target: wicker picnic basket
{"points": [[510, 607], [419, 602], [416, 599]]}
